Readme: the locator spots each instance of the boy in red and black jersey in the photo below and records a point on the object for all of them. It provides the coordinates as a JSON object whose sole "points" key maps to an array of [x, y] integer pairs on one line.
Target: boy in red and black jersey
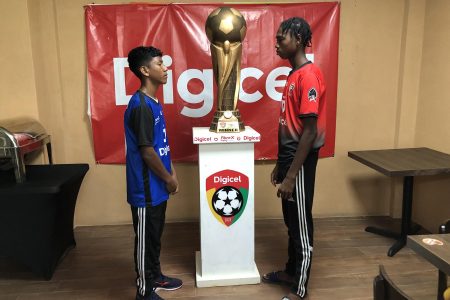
{"points": [[302, 99], [301, 133]]}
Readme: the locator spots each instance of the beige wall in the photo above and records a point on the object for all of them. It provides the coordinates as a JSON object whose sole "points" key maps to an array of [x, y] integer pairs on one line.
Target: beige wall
{"points": [[380, 46], [17, 82], [432, 194], [408, 90], [47, 69]]}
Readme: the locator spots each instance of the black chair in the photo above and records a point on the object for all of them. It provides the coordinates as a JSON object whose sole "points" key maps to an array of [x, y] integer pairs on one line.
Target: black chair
{"points": [[442, 282], [385, 289]]}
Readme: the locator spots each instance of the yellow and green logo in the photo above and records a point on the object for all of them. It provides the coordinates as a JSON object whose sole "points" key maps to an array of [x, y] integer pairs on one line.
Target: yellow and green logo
{"points": [[227, 193]]}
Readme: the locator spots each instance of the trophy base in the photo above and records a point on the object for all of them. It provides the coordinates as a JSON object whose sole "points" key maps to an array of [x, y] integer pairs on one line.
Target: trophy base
{"points": [[226, 121]]}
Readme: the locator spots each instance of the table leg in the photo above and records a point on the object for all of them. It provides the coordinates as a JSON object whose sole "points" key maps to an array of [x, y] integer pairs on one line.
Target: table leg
{"points": [[398, 245], [408, 182], [406, 220], [442, 285], [383, 232], [442, 277], [407, 205]]}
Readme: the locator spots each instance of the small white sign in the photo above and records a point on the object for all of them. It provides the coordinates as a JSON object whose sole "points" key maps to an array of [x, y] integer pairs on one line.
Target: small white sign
{"points": [[202, 135]]}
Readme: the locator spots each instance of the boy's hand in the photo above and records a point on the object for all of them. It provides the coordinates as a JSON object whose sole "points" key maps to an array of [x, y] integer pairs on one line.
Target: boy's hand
{"points": [[273, 175], [172, 185], [174, 175], [286, 188]]}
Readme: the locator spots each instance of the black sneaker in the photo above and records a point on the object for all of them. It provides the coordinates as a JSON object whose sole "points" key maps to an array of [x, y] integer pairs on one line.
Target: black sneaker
{"points": [[167, 283], [152, 296]]}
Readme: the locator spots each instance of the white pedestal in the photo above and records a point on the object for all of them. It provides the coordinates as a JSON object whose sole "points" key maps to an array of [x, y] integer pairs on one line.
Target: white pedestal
{"points": [[226, 163]]}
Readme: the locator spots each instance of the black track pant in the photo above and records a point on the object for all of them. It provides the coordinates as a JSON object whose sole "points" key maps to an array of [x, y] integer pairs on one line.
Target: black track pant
{"points": [[297, 213], [148, 223]]}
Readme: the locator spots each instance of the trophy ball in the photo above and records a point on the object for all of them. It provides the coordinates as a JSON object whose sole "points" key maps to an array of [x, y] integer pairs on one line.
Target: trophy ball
{"points": [[225, 24]]}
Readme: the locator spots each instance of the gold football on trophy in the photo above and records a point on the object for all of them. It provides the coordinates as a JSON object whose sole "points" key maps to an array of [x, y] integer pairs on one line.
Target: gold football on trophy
{"points": [[225, 24]]}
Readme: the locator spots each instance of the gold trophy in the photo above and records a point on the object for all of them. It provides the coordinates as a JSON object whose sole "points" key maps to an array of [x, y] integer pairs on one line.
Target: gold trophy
{"points": [[225, 29]]}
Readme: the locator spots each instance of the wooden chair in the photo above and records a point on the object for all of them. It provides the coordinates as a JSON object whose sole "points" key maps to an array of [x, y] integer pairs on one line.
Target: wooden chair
{"points": [[385, 289]]}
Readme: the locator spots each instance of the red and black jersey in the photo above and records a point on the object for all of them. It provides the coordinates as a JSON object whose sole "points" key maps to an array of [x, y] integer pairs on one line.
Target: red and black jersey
{"points": [[303, 96]]}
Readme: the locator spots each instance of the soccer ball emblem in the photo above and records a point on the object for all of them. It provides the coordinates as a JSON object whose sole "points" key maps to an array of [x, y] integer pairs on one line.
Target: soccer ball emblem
{"points": [[227, 201], [225, 24]]}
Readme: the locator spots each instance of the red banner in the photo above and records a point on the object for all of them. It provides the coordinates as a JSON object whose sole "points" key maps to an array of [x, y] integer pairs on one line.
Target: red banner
{"points": [[188, 97]]}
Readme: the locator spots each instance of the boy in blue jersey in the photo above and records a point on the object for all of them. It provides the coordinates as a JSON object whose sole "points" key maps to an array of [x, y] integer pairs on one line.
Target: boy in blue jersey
{"points": [[151, 177]]}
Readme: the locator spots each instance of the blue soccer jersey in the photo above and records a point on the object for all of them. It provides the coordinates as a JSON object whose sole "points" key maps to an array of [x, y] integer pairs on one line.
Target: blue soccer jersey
{"points": [[145, 126]]}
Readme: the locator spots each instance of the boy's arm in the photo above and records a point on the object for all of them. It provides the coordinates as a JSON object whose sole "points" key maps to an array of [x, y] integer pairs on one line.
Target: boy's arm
{"points": [[304, 147], [155, 164], [174, 174]]}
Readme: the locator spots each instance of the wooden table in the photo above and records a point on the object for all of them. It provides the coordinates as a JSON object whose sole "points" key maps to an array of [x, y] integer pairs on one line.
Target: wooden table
{"points": [[406, 163], [438, 254]]}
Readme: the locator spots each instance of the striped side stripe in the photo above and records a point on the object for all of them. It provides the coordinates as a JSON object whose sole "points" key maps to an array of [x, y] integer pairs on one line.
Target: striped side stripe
{"points": [[141, 250], [303, 229]]}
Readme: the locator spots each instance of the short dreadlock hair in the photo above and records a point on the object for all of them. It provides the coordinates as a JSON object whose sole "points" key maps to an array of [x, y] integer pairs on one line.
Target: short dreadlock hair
{"points": [[298, 27], [140, 56]]}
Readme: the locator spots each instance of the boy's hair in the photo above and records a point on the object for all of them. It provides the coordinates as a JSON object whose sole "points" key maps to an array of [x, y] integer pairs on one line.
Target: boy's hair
{"points": [[140, 56], [298, 26]]}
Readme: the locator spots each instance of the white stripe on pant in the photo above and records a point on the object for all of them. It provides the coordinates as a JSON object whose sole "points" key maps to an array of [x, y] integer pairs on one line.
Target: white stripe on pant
{"points": [[141, 250], [303, 230]]}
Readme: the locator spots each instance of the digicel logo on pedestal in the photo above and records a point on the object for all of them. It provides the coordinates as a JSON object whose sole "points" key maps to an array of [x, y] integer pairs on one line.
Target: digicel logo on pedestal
{"points": [[227, 194], [227, 179]]}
